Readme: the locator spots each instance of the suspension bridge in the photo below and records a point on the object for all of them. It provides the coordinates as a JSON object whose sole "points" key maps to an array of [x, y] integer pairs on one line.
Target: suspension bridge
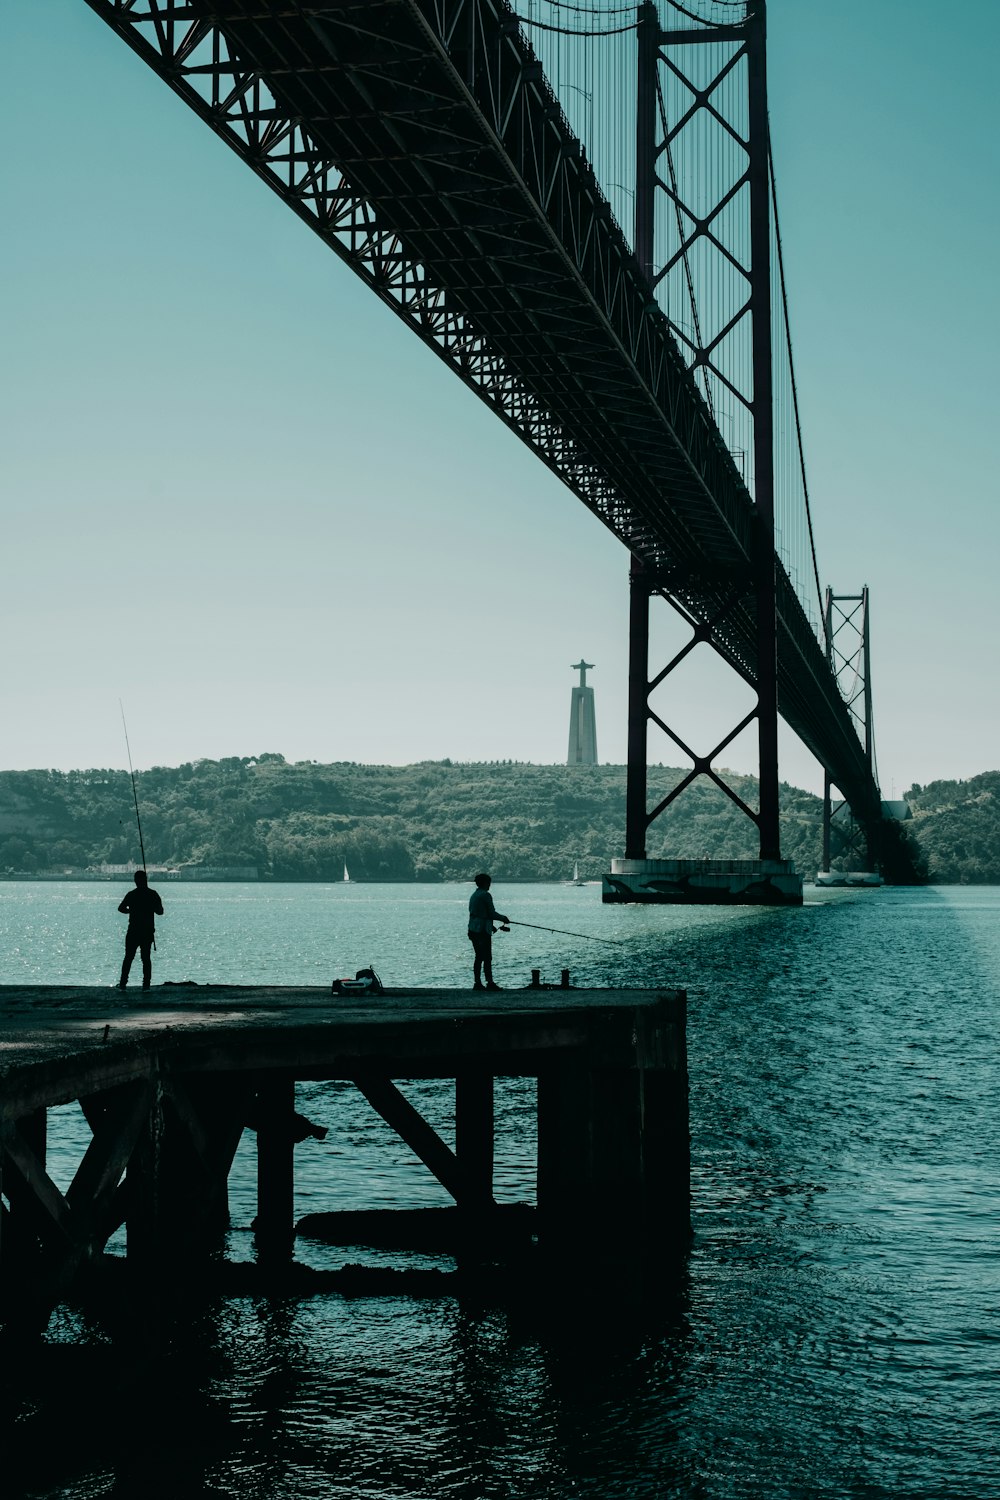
{"points": [[574, 206]]}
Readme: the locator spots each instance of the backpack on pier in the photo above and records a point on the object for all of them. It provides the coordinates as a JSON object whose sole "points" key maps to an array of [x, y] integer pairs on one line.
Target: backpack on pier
{"points": [[365, 982]]}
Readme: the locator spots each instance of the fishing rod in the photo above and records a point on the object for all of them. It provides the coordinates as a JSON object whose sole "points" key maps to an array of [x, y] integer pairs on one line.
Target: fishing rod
{"points": [[135, 796], [563, 933]]}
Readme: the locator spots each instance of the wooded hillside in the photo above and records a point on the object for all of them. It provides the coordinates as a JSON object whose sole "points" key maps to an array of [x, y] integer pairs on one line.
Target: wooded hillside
{"points": [[957, 824], [431, 821]]}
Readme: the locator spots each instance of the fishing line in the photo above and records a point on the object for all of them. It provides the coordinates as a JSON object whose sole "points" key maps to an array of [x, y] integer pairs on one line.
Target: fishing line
{"points": [[563, 933]]}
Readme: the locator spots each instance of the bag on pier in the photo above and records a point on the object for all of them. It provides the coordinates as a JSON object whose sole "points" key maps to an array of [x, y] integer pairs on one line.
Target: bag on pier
{"points": [[365, 982]]}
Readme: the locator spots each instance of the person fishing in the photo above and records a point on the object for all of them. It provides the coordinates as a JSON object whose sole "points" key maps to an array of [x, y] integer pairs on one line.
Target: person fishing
{"points": [[142, 906], [482, 915]]}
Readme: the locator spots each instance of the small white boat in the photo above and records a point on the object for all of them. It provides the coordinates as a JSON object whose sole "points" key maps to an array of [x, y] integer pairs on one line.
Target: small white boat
{"points": [[346, 876]]}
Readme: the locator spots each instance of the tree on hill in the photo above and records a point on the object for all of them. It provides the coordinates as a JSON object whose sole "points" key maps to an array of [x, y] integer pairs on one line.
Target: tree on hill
{"points": [[957, 825]]}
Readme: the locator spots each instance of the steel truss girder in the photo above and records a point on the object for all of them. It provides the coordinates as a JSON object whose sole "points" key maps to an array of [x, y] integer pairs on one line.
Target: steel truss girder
{"points": [[508, 264], [420, 140]]}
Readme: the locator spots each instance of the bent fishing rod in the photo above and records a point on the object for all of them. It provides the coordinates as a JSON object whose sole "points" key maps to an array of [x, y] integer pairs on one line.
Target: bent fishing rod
{"points": [[563, 933], [135, 796]]}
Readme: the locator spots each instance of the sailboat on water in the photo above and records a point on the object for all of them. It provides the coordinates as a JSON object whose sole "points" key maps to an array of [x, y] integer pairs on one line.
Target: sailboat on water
{"points": [[347, 878], [576, 875]]}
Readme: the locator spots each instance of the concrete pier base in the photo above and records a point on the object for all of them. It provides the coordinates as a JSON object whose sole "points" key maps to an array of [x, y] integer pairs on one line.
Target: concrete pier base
{"points": [[704, 882]]}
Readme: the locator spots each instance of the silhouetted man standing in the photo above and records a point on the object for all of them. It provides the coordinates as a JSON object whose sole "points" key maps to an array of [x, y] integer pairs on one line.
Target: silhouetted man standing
{"points": [[142, 906], [482, 915]]}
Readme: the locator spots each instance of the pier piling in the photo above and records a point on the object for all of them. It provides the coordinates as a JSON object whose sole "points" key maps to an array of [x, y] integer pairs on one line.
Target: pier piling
{"points": [[474, 1133], [275, 1223]]}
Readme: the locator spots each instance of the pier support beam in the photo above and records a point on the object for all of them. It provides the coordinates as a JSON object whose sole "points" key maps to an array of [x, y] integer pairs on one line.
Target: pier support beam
{"points": [[175, 1198], [636, 818], [20, 1241], [275, 1223], [146, 1228], [474, 1133], [423, 1140], [589, 1156], [206, 1117]]}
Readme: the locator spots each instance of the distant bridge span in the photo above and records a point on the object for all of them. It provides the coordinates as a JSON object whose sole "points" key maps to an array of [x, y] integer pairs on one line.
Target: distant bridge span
{"points": [[421, 140]]}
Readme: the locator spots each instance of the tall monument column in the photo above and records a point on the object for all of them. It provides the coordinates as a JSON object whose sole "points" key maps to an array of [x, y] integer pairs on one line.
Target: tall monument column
{"points": [[582, 720]]}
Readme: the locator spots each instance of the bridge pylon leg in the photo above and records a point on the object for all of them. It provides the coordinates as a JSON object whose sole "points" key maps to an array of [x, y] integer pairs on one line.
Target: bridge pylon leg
{"points": [[762, 411], [767, 880], [636, 820]]}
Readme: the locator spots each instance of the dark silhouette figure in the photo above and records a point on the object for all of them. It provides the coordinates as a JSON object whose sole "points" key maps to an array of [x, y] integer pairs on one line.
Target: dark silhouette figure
{"points": [[142, 906], [482, 915]]}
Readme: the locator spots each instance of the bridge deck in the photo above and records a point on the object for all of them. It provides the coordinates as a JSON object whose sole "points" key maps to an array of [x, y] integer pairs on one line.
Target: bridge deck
{"points": [[422, 142]]}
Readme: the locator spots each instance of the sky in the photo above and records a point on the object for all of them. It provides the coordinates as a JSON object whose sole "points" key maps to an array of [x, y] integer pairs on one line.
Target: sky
{"points": [[240, 498]]}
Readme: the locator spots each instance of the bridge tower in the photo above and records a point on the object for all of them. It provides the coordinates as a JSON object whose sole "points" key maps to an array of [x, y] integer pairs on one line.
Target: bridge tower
{"points": [[768, 879], [850, 839]]}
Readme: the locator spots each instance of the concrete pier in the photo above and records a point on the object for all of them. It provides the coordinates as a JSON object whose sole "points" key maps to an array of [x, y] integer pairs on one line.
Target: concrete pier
{"points": [[168, 1080], [704, 882]]}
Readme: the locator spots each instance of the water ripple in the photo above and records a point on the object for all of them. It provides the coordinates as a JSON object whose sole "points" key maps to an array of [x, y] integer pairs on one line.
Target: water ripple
{"points": [[834, 1332]]}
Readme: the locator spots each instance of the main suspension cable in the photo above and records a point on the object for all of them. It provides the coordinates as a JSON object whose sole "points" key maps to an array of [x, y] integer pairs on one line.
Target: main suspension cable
{"points": [[571, 30], [791, 371]]}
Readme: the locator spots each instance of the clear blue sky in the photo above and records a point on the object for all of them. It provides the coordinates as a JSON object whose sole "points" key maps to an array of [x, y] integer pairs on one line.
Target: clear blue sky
{"points": [[239, 496]]}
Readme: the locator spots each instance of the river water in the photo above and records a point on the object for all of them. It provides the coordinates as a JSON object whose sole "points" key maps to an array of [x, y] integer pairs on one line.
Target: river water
{"points": [[834, 1331]]}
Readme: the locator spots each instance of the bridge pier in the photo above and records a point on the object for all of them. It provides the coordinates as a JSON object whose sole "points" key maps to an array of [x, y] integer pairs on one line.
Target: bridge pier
{"points": [[703, 882]]}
